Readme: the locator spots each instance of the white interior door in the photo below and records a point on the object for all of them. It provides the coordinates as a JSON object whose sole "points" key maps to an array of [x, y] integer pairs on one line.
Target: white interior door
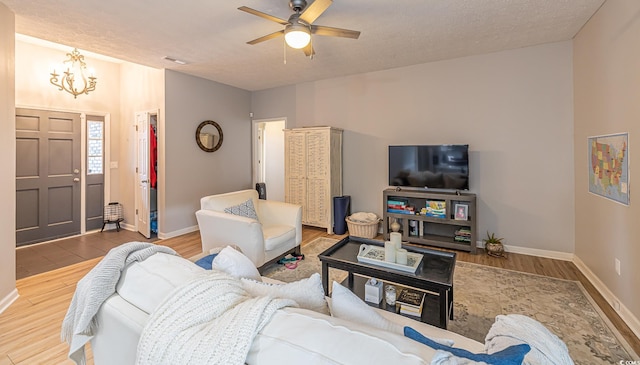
{"points": [[273, 158], [142, 175], [259, 148], [268, 156]]}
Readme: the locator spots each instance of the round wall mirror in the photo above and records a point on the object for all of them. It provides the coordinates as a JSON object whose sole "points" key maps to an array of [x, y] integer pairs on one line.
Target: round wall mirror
{"points": [[209, 136]]}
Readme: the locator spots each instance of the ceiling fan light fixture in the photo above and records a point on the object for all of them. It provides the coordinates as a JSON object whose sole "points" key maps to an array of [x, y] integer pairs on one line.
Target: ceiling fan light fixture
{"points": [[297, 35]]}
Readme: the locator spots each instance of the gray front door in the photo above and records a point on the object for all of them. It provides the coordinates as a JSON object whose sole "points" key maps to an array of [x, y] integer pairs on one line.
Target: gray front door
{"points": [[47, 175]]}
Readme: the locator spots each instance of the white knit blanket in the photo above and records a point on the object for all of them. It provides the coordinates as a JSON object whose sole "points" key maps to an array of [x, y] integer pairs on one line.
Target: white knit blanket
{"points": [[211, 320], [513, 329], [93, 289]]}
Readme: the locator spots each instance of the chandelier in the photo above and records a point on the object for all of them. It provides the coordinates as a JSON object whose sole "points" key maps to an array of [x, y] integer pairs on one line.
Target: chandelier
{"points": [[75, 79]]}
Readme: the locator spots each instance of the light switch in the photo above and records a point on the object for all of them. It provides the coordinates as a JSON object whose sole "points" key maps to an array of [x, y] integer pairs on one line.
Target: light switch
{"points": [[114, 164]]}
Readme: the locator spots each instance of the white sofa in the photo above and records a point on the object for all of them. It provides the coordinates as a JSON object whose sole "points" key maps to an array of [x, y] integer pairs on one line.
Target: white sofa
{"points": [[276, 232], [293, 335]]}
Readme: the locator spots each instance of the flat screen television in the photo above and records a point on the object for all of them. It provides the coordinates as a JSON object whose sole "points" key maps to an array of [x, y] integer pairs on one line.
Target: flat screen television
{"points": [[437, 167]]}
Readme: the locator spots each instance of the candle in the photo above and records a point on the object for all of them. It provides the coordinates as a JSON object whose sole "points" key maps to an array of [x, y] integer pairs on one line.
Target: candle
{"points": [[390, 294], [401, 256], [396, 238], [389, 252]]}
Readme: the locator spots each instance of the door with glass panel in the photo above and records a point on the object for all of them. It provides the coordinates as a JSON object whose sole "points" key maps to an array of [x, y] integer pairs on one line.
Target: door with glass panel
{"points": [[94, 187]]}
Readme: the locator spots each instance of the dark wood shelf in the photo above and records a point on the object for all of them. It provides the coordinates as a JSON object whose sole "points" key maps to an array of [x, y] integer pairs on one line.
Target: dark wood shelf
{"points": [[431, 302], [425, 218], [432, 231]]}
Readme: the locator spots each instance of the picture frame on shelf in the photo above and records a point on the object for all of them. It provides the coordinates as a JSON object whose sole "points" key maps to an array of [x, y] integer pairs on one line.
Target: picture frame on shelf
{"points": [[461, 212]]}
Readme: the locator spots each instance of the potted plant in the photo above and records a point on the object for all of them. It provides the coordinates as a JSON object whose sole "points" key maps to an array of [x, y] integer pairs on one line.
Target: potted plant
{"points": [[493, 245]]}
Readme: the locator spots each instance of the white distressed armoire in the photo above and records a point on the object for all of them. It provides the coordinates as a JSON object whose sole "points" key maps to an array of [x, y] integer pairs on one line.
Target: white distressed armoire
{"points": [[313, 172]]}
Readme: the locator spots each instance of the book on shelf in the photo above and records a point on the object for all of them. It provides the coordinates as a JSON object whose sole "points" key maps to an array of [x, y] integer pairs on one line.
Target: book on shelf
{"points": [[463, 235], [399, 211], [395, 206], [399, 207], [396, 202], [410, 311], [411, 302]]}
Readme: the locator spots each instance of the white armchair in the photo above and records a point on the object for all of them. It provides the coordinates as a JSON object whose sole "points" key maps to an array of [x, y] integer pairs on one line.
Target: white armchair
{"points": [[276, 232]]}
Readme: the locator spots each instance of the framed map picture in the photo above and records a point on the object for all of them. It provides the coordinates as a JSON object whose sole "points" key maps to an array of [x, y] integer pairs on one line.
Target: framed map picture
{"points": [[609, 166]]}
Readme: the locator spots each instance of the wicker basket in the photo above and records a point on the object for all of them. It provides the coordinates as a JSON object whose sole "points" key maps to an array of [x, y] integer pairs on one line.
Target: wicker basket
{"points": [[366, 230]]}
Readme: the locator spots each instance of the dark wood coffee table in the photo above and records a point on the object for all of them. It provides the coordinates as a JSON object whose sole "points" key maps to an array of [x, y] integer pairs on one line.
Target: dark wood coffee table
{"points": [[434, 276]]}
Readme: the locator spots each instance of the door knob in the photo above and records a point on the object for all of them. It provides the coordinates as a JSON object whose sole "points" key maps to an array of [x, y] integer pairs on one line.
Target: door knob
{"points": [[76, 171], [76, 179]]}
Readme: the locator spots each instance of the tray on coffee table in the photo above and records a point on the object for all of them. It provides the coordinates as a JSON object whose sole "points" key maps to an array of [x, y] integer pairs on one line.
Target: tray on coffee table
{"points": [[375, 255]]}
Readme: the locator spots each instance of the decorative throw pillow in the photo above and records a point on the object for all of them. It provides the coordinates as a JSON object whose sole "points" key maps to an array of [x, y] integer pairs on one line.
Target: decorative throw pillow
{"points": [[346, 305], [308, 293], [512, 355], [235, 264], [244, 209]]}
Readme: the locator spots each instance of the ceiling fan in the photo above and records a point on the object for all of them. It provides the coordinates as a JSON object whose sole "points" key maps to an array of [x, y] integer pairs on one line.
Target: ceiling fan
{"points": [[298, 29]]}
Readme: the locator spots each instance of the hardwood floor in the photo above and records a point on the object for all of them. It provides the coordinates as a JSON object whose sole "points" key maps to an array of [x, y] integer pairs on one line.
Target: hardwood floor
{"points": [[30, 327]]}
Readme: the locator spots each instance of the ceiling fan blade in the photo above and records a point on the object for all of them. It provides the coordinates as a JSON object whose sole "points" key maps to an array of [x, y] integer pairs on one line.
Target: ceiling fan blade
{"points": [[308, 50], [313, 11], [267, 37], [263, 15], [334, 32]]}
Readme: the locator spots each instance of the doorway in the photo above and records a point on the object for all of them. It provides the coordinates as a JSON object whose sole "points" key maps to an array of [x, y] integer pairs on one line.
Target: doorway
{"points": [[147, 173], [268, 156], [62, 180]]}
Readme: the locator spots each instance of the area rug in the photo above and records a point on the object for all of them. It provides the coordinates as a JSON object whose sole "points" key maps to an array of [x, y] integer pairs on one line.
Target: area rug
{"points": [[482, 292], [563, 306]]}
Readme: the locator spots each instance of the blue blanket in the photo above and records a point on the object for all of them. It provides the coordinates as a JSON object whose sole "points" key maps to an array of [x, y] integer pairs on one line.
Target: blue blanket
{"points": [[206, 262]]}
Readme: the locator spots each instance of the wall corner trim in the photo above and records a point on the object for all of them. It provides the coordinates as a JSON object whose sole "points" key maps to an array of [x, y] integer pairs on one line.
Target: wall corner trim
{"points": [[8, 300], [624, 313]]}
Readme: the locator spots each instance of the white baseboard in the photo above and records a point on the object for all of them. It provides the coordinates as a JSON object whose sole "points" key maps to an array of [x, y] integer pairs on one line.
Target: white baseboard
{"points": [[564, 256], [623, 311], [128, 227], [8, 300], [162, 235]]}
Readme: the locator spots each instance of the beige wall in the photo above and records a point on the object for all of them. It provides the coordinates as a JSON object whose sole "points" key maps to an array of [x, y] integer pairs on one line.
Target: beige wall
{"points": [[607, 96], [513, 108], [33, 89], [124, 89], [191, 173], [142, 90], [8, 159], [33, 65]]}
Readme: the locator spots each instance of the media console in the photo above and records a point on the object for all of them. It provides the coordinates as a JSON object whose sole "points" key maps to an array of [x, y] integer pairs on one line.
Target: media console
{"points": [[433, 218]]}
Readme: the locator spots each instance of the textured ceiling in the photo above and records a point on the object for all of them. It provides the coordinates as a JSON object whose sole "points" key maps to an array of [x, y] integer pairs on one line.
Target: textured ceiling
{"points": [[211, 35]]}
